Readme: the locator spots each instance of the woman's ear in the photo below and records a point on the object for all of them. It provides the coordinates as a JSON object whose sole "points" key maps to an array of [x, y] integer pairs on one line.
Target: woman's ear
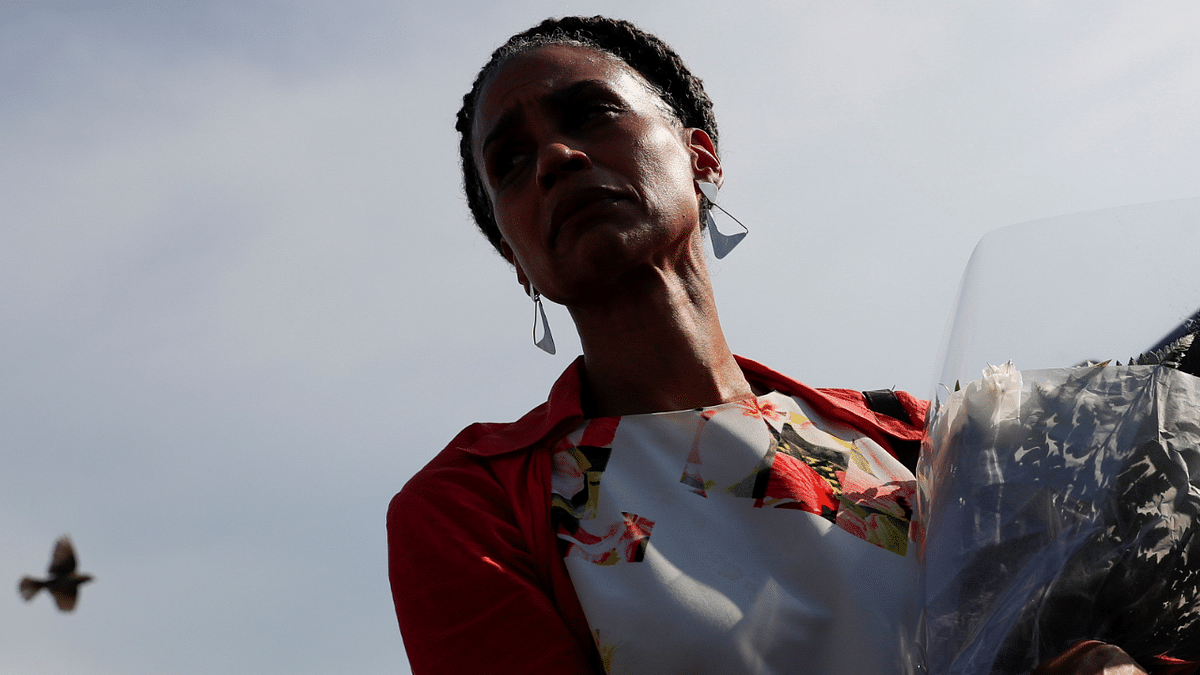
{"points": [[706, 166], [511, 257]]}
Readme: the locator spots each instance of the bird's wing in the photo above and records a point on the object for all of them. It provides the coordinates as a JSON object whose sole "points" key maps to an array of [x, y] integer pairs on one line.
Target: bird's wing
{"points": [[65, 597], [62, 562]]}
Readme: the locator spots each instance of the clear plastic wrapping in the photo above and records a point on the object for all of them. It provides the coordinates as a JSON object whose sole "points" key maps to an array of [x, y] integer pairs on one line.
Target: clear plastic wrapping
{"points": [[1064, 503]]}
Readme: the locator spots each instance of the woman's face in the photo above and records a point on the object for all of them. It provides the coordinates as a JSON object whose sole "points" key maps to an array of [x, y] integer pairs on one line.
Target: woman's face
{"points": [[589, 175]]}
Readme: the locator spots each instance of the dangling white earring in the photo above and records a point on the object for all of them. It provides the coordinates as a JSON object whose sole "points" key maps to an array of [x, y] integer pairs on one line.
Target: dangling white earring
{"points": [[546, 344], [722, 244]]}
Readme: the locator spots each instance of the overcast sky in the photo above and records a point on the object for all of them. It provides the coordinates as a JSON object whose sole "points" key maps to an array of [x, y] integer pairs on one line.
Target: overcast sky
{"points": [[241, 300]]}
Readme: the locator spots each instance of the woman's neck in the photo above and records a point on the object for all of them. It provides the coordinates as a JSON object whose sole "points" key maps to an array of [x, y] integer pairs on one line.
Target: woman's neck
{"points": [[657, 347]]}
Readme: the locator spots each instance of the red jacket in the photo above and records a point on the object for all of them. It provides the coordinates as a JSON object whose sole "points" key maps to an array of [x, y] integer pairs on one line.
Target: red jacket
{"points": [[477, 580]]}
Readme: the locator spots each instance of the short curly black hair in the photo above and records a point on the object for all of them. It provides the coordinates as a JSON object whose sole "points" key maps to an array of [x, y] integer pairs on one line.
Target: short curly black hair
{"points": [[662, 68]]}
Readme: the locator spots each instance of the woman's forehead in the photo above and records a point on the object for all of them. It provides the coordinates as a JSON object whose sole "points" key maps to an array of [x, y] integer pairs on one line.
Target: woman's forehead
{"points": [[540, 71], [561, 60]]}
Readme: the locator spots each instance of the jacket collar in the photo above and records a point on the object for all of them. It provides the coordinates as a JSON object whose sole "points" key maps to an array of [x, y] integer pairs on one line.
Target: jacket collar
{"points": [[562, 412]]}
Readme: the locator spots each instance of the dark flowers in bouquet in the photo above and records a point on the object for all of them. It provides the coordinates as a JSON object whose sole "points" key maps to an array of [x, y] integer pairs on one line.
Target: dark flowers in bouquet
{"points": [[1064, 505]]}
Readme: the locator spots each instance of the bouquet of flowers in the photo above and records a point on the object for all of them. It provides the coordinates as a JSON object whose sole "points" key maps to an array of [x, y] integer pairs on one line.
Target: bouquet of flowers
{"points": [[1064, 504]]}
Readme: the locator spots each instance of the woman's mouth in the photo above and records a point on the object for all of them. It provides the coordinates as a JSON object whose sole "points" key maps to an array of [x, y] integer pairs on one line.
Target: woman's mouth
{"points": [[581, 203]]}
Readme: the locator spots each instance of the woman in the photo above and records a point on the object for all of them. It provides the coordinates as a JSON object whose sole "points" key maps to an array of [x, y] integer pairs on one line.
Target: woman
{"points": [[671, 507]]}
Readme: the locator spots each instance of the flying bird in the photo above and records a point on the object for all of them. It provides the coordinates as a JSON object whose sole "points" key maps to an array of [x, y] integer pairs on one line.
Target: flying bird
{"points": [[64, 581]]}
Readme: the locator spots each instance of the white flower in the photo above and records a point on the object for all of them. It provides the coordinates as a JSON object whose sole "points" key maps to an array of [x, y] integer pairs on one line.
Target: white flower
{"points": [[998, 393]]}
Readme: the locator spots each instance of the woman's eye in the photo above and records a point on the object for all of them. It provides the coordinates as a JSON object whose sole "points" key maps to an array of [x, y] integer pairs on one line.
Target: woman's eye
{"points": [[506, 162], [594, 111], [591, 110]]}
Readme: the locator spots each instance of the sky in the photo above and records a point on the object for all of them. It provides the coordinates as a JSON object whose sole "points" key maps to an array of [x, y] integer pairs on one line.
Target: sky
{"points": [[242, 301]]}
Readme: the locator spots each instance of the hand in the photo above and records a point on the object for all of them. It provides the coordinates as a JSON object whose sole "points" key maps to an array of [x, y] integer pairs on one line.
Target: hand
{"points": [[1091, 657]]}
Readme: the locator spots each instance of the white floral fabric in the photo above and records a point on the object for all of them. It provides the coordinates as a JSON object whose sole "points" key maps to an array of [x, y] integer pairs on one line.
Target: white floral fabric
{"points": [[750, 537]]}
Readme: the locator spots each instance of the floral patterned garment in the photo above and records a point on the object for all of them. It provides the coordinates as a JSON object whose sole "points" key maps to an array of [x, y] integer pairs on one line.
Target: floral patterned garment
{"points": [[750, 537]]}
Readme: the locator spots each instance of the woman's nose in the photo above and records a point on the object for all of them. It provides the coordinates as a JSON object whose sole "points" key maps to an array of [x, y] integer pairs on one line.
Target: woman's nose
{"points": [[557, 159]]}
